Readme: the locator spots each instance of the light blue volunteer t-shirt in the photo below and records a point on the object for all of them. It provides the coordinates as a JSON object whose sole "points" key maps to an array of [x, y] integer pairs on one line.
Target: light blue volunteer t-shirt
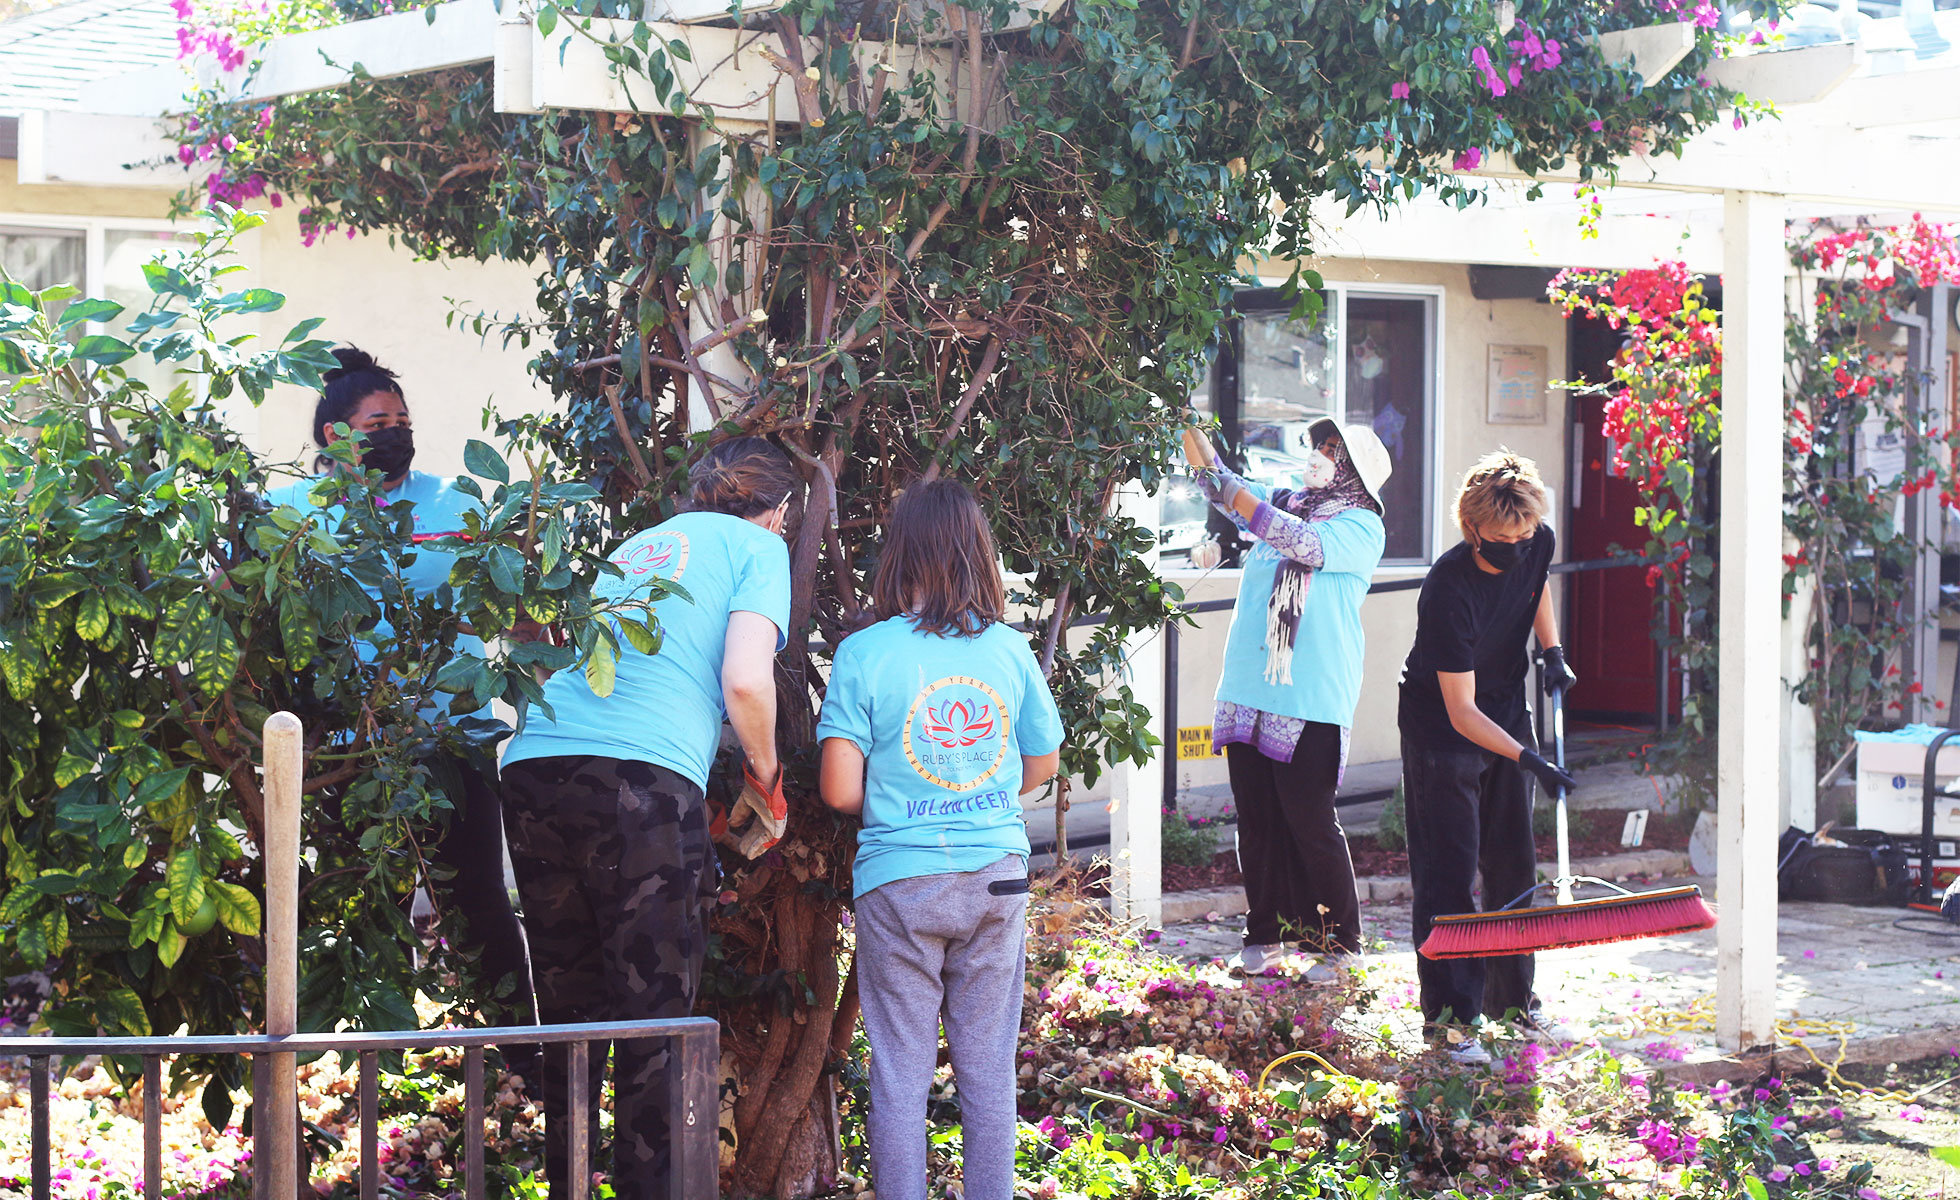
{"points": [[439, 507], [1329, 647], [667, 708], [943, 723]]}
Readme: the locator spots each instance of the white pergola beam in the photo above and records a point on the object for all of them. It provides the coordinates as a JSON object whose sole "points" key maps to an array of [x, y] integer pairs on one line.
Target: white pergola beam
{"points": [[455, 34], [1803, 75], [80, 149], [1748, 761], [1651, 50], [1897, 98], [1812, 164]]}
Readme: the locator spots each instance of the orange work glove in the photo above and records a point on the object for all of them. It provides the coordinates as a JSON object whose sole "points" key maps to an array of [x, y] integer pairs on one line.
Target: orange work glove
{"points": [[766, 804]]}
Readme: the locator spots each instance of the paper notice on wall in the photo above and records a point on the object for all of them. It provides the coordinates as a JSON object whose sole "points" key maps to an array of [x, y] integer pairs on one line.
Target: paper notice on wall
{"points": [[1881, 448]]}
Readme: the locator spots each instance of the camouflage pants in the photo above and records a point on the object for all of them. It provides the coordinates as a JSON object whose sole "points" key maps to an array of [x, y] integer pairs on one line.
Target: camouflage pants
{"points": [[613, 864]]}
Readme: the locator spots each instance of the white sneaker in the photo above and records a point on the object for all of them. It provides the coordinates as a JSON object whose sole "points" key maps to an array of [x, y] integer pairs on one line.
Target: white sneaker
{"points": [[1469, 1054], [1333, 969], [1553, 1033], [1262, 960]]}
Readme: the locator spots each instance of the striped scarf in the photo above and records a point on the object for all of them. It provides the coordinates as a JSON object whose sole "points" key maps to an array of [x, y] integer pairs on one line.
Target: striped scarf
{"points": [[1294, 578]]}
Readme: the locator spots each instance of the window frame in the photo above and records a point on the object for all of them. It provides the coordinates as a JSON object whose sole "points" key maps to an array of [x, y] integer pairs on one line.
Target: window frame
{"points": [[95, 240], [1265, 299]]}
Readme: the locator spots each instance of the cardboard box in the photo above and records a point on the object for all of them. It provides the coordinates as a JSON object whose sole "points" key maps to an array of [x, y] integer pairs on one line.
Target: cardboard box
{"points": [[1890, 788]]}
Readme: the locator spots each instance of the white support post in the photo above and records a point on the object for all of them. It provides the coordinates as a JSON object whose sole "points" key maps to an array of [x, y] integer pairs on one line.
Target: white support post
{"points": [[1136, 799], [1749, 769]]}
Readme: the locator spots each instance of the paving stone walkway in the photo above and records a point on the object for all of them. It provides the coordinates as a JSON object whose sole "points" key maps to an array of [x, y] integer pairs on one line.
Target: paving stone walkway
{"points": [[1848, 979]]}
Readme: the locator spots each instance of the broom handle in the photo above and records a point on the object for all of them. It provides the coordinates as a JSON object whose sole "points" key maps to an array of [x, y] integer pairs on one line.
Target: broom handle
{"points": [[1564, 881]]}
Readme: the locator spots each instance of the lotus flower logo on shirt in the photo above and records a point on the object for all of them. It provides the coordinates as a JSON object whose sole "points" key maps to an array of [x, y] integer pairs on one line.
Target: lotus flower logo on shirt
{"points": [[956, 734], [664, 555], [959, 723]]}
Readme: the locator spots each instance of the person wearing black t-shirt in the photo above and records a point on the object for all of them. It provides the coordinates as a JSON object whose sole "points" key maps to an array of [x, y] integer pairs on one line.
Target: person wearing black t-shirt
{"points": [[1468, 752]]}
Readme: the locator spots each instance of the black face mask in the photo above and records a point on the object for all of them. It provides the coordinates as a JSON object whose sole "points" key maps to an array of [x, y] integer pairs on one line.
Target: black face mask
{"points": [[1502, 555], [389, 450]]}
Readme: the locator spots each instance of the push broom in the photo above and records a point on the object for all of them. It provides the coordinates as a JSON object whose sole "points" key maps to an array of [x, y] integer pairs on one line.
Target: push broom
{"points": [[1519, 928]]}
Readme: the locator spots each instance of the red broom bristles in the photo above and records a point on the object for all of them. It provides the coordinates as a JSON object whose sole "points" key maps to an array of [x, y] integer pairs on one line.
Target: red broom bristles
{"points": [[1581, 923]]}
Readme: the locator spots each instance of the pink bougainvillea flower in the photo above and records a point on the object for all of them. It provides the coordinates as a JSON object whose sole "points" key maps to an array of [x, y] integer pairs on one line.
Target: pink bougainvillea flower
{"points": [[1398, 91], [1480, 60], [1810, 954], [1912, 1112], [1596, 126], [1469, 160], [1222, 1136], [1778, 1175]]}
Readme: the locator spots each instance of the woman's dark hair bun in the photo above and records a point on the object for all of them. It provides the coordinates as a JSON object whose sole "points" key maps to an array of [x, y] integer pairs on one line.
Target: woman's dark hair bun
{"points": [[353, 359], [742, 476]]}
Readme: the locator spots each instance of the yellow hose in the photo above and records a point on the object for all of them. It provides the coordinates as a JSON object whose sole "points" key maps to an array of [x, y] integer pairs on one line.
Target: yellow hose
{"points": [[1330, 1068], [1699, 1017]]}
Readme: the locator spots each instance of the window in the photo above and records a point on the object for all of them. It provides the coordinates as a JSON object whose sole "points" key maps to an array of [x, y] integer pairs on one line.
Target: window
{"points": [[1368, 358], [101, 261]]}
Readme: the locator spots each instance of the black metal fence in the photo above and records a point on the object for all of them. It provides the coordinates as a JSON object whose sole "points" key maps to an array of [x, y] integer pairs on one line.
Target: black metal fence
{"points": [[693, 1093]]}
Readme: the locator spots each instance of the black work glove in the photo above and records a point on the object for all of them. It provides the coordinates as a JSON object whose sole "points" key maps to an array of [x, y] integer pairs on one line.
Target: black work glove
{"points": [[1559, 677], [1551, 777]]}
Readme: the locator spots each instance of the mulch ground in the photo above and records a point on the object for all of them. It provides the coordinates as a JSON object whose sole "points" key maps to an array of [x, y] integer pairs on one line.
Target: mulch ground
{"points": [[1595, 832]]}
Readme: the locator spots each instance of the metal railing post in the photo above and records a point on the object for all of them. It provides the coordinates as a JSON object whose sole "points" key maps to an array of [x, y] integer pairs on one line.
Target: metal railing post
{"points": [[694, 1117], [43, 1150], [1171, 749], [275, 1121]]}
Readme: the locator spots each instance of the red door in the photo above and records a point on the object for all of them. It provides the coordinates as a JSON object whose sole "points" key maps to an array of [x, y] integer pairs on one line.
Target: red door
{"points": [[1608, 614]]}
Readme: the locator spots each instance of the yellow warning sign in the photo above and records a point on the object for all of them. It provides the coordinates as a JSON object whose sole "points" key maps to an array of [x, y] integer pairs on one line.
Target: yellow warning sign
{"points": [[1194, 741]]}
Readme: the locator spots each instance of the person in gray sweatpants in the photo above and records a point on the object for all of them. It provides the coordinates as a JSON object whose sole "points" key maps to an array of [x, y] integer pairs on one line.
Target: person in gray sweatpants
{"points": [[935, 721], [951, 949]]}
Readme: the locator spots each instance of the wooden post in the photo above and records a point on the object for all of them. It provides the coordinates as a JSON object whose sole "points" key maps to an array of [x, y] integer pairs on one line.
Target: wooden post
{"points": [[1749, 767], [1136, 802], [275, 1119]]}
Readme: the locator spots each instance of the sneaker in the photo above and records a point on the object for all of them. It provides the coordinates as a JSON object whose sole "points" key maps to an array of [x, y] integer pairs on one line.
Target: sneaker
{"points": [[1333, 969], [1552, 1033], [1262, 960], [1469, 1053]]}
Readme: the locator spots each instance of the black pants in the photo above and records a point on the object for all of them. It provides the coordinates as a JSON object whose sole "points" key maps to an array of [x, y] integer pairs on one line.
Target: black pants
{"points": [[474, 849], [614, 864], [1468, 810], [1299, 878]]}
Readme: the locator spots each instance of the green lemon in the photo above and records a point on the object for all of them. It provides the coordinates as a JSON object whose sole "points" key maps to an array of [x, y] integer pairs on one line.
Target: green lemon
{"points": [[204, 918]]}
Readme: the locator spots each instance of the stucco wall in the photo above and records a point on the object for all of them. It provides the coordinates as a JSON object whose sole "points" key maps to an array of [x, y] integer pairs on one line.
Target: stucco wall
{"points": [[372, 294]]}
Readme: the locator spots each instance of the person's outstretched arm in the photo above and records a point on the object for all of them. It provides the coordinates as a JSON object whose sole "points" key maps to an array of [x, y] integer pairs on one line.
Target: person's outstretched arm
{"points": [[1460, 698]]}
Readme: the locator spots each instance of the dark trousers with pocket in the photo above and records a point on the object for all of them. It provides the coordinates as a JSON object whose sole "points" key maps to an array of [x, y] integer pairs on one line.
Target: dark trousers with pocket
{"points": [[614, 865], [473, 847], [1468, 810], [1299, 877]]}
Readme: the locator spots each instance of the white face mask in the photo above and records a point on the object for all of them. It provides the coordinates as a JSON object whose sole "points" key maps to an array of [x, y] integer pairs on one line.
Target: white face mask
{"points": [[1319, 471]]}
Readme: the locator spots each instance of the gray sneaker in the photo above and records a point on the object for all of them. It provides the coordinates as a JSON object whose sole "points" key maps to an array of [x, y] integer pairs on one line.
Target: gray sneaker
{"points": [[1469, 1054], [1333, 969], [1270, 959]]}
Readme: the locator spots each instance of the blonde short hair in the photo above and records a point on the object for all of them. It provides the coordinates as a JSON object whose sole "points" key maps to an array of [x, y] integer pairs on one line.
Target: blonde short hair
{"points": [[1501, 494]]}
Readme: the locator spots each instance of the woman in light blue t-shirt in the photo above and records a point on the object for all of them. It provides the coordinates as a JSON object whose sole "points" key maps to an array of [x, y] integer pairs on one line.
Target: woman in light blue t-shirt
{"points": [[1288, 689], [936, 721]]}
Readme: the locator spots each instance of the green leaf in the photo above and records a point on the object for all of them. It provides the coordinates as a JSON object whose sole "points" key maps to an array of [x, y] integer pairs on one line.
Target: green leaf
{"points": [[1755, 1188], [92, 619], [185, 878], [600, 667], [643, 639], [170, 944], [126, 1007], [1950, 1155], [88, 310], [506, 567], [480, 459], [547, 20], [238, 909], [134, 855], [103, 350]]}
